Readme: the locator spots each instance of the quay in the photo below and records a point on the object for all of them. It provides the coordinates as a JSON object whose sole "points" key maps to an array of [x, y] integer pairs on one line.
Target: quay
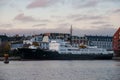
{"points": [[116, 58]]}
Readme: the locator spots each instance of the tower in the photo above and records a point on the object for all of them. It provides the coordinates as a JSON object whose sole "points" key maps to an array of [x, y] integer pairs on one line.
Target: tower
{"points": [[71, 35]]}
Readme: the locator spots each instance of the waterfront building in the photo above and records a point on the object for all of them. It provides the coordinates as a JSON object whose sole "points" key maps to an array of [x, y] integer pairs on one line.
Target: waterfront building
{"points": [[16, 41], [16, 38], [37, 38], [44, 38], [99, 41], [15, 45], [63, 36], [116, 43], [41, 40], [77, 41], [3, 38], [44, 44], [4, 44]]}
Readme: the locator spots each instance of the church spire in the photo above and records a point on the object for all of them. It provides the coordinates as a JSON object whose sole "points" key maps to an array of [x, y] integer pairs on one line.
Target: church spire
{"points": [[71, 35], [71, 31]]}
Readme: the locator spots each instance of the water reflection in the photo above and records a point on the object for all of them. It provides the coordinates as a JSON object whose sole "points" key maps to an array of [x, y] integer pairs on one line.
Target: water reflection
{"points": [[117, 63], [60, 70]]}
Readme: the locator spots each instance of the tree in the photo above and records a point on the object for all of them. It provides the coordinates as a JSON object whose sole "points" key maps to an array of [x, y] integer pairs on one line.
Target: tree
{"points": [[4, 48]]}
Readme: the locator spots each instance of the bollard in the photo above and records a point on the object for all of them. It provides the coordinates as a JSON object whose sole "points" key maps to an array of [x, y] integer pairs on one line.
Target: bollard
{"points": [[6, 60]]}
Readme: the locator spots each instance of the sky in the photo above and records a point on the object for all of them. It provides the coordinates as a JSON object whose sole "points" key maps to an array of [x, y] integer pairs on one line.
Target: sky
{"points": [[87, 17]]}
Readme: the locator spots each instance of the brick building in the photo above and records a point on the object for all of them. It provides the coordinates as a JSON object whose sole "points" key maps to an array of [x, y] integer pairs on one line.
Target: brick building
{"points": [[116, 43]]}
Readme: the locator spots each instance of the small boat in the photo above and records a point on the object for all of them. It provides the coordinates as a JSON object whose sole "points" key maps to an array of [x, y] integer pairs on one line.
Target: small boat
{"points": [[6, 60]]}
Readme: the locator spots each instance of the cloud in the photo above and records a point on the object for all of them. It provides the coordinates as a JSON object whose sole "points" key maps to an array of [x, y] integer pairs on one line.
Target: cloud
{"points": [[79, 17], [74, 3], [85, 3], [107, 25], [117, 11], [41, 3], [76, 31], [21, 17], [56, 16], [64, 25], [39, 25], [6, 25], [44, 20], [15, 7], [92, 3], [74, 16], [88, 17], [32, 31], [101, 26], [100, 31], [3, 2], [99, 22]]}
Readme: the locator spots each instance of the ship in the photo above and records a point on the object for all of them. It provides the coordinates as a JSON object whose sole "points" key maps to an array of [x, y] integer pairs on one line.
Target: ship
{"points": [[61, 50]]}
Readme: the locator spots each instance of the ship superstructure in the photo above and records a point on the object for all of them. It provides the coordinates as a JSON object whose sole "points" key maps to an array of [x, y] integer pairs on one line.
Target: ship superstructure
{"points": [[65, 48]]}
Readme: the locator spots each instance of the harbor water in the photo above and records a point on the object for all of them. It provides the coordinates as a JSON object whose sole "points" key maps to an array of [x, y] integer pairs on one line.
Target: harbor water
{"points": [[61, 70]]}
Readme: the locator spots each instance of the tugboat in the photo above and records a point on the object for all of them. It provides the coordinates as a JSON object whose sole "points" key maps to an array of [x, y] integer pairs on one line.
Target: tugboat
{"points": [[6, 60]]}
